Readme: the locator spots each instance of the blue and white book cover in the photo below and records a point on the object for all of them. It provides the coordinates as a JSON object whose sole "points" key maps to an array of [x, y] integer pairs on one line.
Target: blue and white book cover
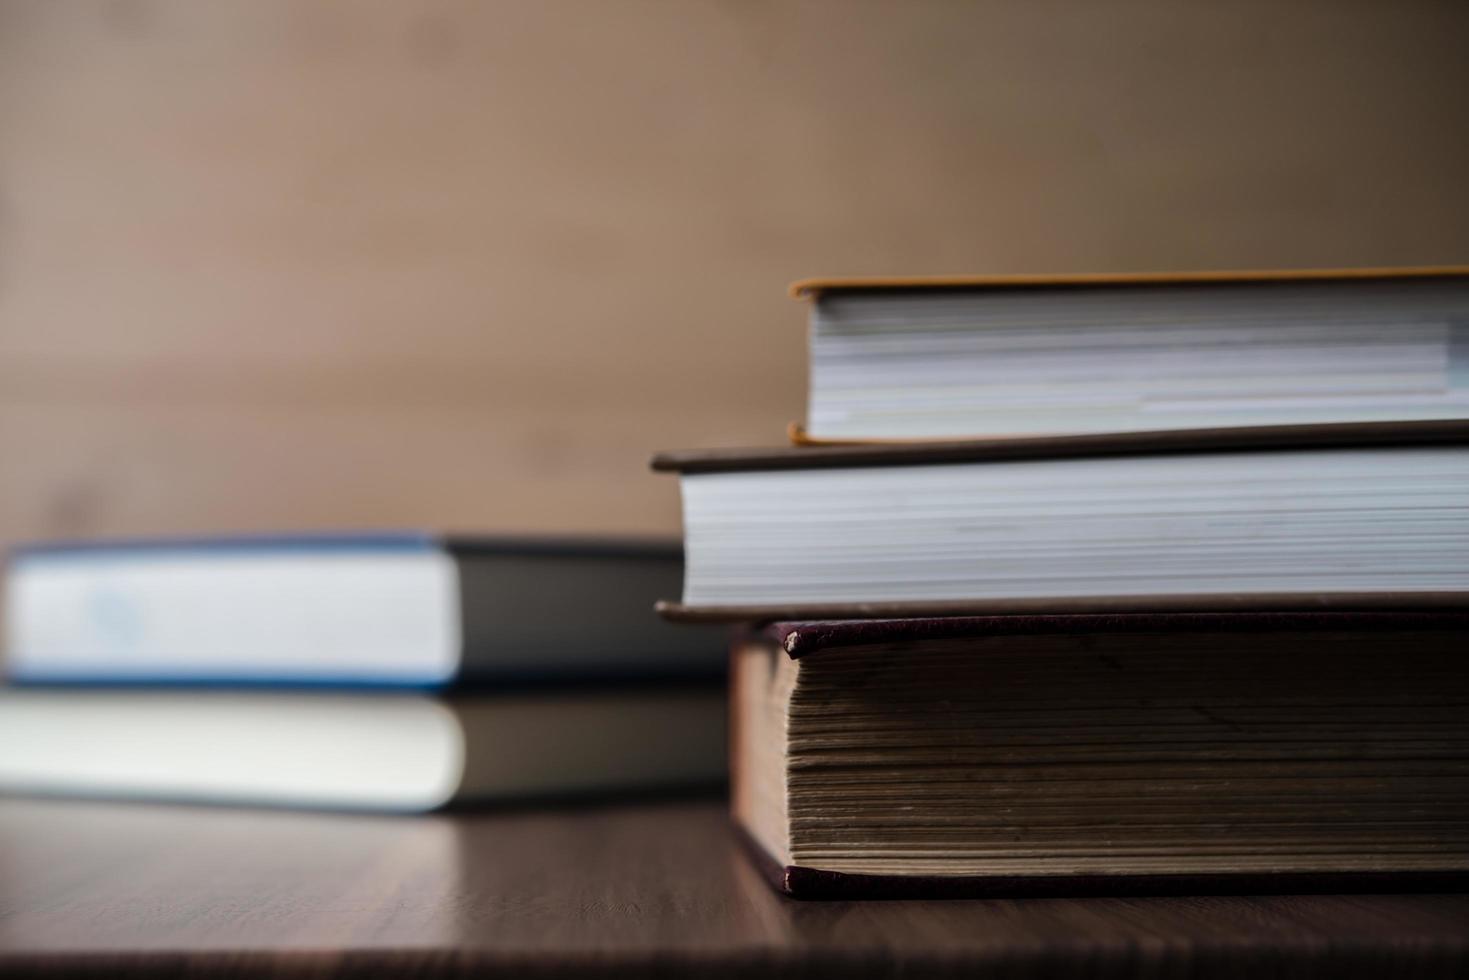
{"points": [[407, 609]]}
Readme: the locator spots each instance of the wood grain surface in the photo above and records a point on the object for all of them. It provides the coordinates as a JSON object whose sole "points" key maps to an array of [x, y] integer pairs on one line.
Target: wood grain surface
{"points": [[291, 264], [638, 890]]}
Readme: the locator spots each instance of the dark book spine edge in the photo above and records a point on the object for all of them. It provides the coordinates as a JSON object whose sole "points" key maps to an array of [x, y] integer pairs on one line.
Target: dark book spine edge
{"points": [[812, 884], [805, 638], [1303, 603], [1162, 442]]}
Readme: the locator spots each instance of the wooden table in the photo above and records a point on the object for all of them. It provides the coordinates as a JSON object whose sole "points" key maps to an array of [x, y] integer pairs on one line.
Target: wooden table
{"points": [[638, 890]]}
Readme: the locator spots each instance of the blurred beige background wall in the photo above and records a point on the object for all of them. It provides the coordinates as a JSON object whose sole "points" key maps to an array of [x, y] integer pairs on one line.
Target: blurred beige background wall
{"points": [[312, 264]]}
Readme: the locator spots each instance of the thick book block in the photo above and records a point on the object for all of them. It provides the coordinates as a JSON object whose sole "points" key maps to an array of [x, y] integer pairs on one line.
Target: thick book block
{"points": [[1120, 754]]}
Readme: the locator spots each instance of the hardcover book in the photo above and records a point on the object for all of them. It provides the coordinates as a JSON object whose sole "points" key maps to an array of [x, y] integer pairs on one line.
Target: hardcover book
{"points": [[1351, 516], [1117, 754], [384, 751], [988, 356], [394, 610]]}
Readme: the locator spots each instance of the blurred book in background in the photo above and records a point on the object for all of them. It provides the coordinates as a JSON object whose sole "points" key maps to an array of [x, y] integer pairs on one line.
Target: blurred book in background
{"points": [[393, 671]]}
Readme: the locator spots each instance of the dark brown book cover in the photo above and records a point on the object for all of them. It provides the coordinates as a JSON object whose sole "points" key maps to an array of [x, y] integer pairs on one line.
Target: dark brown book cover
{"points": [[1264, 438], [1242, 602], [801, 639], [807, 639], [815, 885]]}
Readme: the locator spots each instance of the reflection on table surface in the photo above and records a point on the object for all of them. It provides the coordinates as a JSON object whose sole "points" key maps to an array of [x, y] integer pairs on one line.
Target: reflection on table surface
{"points": [[629, 881]]}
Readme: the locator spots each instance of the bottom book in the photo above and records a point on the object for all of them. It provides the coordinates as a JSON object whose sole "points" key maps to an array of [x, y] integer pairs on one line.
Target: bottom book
{"points": [[394, 752], [1126, 754]]}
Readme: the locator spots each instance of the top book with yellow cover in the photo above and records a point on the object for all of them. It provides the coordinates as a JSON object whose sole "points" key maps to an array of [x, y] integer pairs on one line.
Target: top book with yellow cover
{"points": [[958, 357]]}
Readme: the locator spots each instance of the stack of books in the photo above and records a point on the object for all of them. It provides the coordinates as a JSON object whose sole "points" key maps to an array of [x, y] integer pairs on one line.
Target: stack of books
{"points": [[396, 672], [1103, 584]]}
